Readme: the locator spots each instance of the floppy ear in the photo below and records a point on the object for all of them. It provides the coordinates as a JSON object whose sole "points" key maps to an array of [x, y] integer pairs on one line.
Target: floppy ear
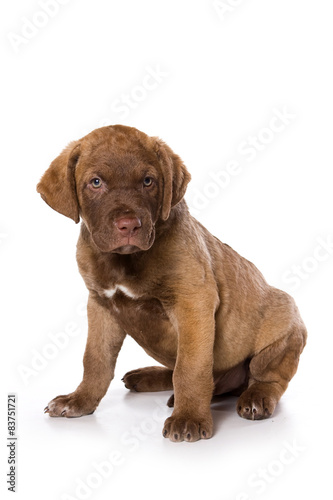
{"points": [[175, 176], [57, 186]]}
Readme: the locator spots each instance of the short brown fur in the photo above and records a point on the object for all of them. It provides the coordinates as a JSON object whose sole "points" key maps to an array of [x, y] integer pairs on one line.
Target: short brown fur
{"points": [[153, 272]]}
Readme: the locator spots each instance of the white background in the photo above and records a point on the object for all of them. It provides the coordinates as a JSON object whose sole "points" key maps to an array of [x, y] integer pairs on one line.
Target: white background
{"points": [[221, 76]]}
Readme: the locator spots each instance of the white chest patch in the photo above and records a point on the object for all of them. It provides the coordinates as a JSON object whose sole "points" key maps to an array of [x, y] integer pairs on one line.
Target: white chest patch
{"points": [[126, 291]]}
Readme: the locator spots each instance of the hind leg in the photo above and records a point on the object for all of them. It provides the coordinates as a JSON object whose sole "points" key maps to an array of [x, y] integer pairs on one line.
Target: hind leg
{"points": [[270, 372], [149, 379]]}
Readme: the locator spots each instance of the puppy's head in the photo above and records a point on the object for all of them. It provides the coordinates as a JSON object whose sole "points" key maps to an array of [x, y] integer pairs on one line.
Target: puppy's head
{"points": [[120, 182]]}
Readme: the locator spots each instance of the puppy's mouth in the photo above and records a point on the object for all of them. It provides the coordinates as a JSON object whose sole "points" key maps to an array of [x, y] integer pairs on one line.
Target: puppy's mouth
{"points": [[123, 245], [134, 244], [127, 249]]}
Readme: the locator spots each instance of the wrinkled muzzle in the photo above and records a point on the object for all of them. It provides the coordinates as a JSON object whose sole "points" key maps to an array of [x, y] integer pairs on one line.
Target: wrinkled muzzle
{"points": [[124, 233]]}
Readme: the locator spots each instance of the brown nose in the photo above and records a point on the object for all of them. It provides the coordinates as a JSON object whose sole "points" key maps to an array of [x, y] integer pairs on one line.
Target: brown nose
{"points": [[128, 226]]}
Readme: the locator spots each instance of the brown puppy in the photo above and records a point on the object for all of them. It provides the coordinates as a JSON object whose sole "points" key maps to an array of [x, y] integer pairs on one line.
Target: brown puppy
{"points": [[155, 273]]}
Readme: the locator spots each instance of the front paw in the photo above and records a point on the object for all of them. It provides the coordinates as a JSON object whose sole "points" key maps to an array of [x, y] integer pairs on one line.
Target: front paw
{"points": [[188, 428], [72, 405]]}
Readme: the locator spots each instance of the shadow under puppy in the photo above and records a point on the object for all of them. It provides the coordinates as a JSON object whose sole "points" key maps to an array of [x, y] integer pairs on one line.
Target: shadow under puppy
{"points": [[155, 273]]}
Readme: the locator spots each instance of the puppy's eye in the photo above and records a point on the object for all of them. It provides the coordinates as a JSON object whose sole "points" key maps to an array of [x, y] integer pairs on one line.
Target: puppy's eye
{"points": [[147, 181], [96, 182]]}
